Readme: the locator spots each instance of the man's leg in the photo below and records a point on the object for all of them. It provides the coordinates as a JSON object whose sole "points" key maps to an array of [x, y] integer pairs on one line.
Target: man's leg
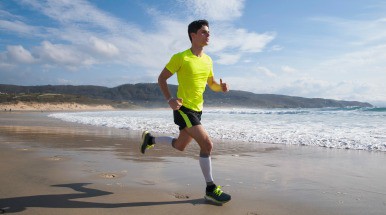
{"points": [[180, 143], [202, 138], [199, 133], [185, 137], [213, 192]]}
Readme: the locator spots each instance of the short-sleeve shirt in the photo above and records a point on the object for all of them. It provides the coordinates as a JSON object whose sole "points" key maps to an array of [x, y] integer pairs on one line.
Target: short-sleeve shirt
{"points": [[192, 75]]}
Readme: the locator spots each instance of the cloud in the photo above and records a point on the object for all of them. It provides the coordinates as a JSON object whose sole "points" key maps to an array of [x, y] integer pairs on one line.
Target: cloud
{"points": [[231, 44], [356, 32], [5, 65], [370, 57], [99, 34], [253, 42], [276, 48], [307, 87], [7, 15], [103, 47], [288, 69], [347, 63], [228, 59], [265, 71], [78, 34], [85, 30], [18, 27], [239, 40], [78, 12], [251, 84], [226, 37], [19, 55], [339, 90], [62, 55], [217, 10], [296, 82]]}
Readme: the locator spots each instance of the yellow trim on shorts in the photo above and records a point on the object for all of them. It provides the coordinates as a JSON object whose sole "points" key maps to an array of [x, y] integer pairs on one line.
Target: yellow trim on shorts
{"points": [[186, 119]]}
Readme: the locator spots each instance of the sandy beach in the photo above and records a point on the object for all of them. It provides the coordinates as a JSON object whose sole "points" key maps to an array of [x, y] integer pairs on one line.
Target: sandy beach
{"points": [[60, 106], [53, 167]]}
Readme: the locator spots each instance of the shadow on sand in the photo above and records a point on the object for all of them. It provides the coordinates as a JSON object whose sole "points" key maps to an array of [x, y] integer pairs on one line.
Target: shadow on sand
{"points": [[17, 204]]}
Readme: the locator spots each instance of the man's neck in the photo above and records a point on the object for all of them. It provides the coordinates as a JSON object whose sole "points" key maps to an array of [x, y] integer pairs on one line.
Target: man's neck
{"points": [[197, 50]]}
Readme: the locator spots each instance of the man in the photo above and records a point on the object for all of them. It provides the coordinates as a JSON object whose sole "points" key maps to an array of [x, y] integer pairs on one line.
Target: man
{"points": [[194, 70]]}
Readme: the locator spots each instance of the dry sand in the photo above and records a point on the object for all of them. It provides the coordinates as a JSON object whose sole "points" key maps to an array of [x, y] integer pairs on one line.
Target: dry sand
{"points": [[35, 106], [53, 167]]}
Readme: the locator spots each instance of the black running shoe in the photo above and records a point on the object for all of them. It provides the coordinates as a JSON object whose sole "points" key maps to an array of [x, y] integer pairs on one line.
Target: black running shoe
{"points": [[146, 141], [217, 196]]}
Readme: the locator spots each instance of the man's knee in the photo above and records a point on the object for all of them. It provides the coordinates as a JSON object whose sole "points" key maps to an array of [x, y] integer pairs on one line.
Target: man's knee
{"points": [[206, 147]]}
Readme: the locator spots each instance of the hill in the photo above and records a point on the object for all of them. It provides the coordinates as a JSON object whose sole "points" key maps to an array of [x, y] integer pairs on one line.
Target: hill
{"points": [[149, 95]]}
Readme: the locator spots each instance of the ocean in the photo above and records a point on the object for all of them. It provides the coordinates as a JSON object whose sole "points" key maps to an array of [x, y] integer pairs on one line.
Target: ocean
{"points": [[342, 128]]}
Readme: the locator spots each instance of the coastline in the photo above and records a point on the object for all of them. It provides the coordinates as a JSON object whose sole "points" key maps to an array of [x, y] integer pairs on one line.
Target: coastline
{"points": [[59, 106], [50, 166]]}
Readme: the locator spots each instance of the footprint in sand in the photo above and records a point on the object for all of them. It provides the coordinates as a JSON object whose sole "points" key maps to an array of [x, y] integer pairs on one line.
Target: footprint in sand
{"points": [[109, 175], [181, 196], [55, 158], [271, 165], [253, 213], [147, 182]]}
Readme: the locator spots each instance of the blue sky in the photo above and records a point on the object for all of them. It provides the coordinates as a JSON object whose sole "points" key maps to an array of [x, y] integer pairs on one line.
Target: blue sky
{"points": [[328, 49]]}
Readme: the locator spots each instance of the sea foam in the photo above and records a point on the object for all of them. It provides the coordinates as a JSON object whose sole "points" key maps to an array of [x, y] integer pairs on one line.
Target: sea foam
{"points": [[350, 128]]}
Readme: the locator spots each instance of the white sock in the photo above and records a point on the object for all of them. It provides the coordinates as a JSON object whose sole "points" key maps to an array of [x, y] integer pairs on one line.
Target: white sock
{"points": [[163, 140], [206, 168]]}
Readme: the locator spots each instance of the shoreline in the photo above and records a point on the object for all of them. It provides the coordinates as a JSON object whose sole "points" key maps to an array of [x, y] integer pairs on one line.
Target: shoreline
{"points": [[50, 166]]}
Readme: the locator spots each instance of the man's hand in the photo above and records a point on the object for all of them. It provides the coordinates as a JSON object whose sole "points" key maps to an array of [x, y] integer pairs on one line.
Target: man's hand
{"points": [[224, 86], [175, 104], [217, 87]]}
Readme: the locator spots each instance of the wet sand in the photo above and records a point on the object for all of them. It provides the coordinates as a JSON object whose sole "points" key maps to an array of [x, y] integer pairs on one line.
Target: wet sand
{"points": [[53, 167]]}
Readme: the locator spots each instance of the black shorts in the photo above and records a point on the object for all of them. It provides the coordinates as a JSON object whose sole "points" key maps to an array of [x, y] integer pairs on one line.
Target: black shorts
{"points": [[185, 117]]}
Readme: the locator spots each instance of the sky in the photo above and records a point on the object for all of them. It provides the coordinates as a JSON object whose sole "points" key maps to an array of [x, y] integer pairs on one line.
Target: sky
{"points": [[315, 49]]}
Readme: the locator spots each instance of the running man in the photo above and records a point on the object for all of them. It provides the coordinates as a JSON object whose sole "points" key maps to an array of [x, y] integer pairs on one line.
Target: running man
{"points": [[194, 71]]}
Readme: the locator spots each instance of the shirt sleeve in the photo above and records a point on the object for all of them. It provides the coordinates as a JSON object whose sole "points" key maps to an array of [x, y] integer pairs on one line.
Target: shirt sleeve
{"points": [[174, 64]]}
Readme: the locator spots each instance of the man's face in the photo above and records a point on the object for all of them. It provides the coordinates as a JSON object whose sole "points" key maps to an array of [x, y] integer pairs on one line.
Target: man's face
{"points": [[201, 37]]}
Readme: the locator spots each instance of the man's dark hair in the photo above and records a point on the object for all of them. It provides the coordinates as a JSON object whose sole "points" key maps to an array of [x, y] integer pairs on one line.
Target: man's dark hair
{"points": [[195, 26]]}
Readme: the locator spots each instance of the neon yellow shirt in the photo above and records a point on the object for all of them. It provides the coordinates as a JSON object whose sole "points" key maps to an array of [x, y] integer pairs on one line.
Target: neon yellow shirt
{"points": [[192, 75]]}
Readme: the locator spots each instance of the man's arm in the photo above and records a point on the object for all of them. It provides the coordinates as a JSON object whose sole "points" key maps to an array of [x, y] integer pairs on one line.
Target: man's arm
{"points": [[217, 87], [165, 75], [174, 103]]}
